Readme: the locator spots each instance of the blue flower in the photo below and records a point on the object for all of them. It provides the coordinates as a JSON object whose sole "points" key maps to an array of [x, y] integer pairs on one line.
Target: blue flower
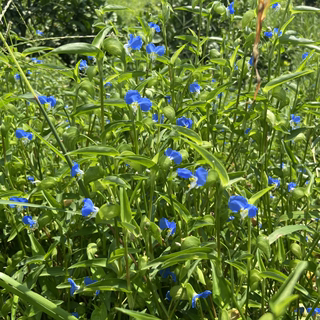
{"points": [[268, 34], [173, 155], [75, 170], [231, 218], [203, 295], [28, 73], [83, 65], [88, 281], [231, 8], [276, 31], [251, 61], [168, 98], [247, 130], [300, 310], [51, 100], [17, 76], [73, 285], [134, 99], [21, 134], [282, 165], [75, 314], [89, 208], [154, 26], [40, 33], [30, 178], [108, 84], [90, 58], [274, 181], [36, 60], [220, 95], [213, 80], [291, 186], [135, 43], [28, 220], [194, 88], [236, 66], [315, 311], [155, 118], [168, 296], [304, 56], [154, 51], [166, 224], [295, 119], [17, 199], [166, 273], [198, 179], [276, 5], [240, 204], [184, 122]]}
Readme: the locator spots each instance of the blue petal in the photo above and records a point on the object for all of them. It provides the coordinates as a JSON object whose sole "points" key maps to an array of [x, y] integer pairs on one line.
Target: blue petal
{"points": [[150, 48], [184, 173], [164, 223], [132, 96], [145, 104], [202, 175], [236, 203]]}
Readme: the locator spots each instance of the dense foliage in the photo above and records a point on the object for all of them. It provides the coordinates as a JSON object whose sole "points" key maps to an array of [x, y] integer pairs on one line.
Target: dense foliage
{"points": [[146, 172]]}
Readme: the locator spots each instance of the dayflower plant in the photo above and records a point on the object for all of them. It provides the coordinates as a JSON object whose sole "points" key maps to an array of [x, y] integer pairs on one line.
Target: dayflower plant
{"points": [[40, 33], [231, 8], [184, 122], [74, 287], [88, 280], [166, 224], [294, 120], [194, 88], [155, 118], [240, 204], [197, 296], [268, 34], [155, 51], [198, 179], [25, 136], [165, 273], [29, 221], [89, 209], [291, 186], [17, 199], [75, 171], [276, 32], [274, 181], [173, 155], [83, 65], [51, 100], [154, 26], [134, 99], [17, 76], [135, 43], [305, 55]]}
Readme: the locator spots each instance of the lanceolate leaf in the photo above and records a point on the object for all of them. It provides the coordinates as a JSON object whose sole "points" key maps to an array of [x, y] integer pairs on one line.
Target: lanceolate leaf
{"points": [[285, 78]]}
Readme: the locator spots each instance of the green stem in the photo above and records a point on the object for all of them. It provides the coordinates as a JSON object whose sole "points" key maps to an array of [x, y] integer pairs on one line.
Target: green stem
{"points": [[248, 267], [100, 68]]}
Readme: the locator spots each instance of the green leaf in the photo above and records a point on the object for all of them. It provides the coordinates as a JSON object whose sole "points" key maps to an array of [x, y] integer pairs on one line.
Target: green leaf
{"points": [[96, 151], [213, 94], [264, 245], [106, 285], [186, 132], [233, 57], [292, 39], [138, 315], [304, 9], [35, 49], [114, 47], [34, 299], [35, 245], [267, 316], [283, 298], [129, 75], [107, 212], [259, 194], [141, 160], [113, 7], [176, 54], [98, 262], [247, 17], [286, 230], [125, 210], [97, 41], [285, 78], [79, 48], [212, 161], [181, 256]]}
